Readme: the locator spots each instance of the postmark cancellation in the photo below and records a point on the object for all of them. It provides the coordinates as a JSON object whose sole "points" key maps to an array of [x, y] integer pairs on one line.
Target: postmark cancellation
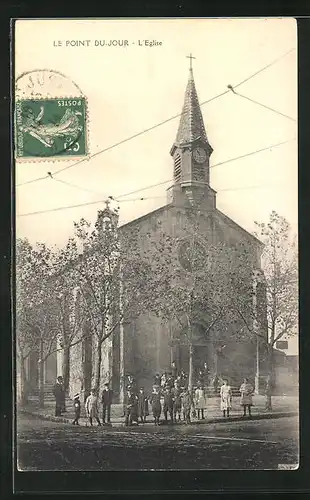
{"points": [[50, 117]]}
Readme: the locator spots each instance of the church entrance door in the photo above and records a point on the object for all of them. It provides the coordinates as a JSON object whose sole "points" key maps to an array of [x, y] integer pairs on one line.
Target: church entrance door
{"points": [[201, 355]]}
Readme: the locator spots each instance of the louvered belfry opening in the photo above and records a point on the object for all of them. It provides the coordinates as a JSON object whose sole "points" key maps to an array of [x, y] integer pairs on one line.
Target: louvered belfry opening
{"points": [[177, 168]]}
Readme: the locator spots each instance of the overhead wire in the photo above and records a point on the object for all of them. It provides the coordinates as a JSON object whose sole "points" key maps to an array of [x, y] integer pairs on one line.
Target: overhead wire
{"points": [[103, 200], [264, 106], [265, 67], [118, 198], [118, 143], [78, 187], [154, 126], [212, 166]]}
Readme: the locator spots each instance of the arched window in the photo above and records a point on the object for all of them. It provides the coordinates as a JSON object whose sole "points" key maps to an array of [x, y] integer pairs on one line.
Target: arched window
{"points": [[177, 168]]}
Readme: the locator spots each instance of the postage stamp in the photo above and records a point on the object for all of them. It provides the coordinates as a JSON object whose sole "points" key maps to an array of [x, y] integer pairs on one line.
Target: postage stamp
{"points": [[51, 128]]}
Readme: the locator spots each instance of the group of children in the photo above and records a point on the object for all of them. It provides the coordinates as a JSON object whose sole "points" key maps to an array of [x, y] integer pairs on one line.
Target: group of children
{"points": [[246, 400], [174, 402], [177, 401], [91, 406]]}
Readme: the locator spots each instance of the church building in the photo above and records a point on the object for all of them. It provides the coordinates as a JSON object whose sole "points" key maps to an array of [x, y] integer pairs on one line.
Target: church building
{"points": [[145, 345]]}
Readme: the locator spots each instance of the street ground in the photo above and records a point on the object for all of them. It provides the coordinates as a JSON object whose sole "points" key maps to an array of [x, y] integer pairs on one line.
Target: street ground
{"points": [[246, 444]]}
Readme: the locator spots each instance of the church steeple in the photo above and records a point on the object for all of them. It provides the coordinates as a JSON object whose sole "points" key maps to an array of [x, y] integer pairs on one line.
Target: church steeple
{"points": [[191, 126], [191, 150]]}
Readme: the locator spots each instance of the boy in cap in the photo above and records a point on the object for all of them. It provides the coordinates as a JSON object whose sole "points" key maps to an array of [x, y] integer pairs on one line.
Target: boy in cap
{"points": [[77, 409], [106, 401]]}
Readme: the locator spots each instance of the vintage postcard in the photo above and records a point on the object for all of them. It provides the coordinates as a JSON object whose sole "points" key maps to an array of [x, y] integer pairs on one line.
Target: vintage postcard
{"points": [[156, 244]]}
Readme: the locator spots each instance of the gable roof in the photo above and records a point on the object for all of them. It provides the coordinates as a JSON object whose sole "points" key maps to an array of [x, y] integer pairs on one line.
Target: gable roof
{"points": [[144, 217], [234, 224], [224, 217]]}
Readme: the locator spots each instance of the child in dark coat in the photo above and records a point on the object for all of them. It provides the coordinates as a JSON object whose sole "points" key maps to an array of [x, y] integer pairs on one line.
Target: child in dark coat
{"points": [[156, 404], [177, 401], [131, 408], [187, 403], [168, 404], [77, 409]]}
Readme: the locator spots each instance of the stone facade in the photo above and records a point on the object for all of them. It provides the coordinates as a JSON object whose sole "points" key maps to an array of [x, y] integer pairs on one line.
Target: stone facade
{"points": [[149, 346]]}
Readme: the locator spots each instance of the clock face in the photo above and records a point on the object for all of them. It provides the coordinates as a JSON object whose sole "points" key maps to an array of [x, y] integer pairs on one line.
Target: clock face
{"points": [[199, 155]]}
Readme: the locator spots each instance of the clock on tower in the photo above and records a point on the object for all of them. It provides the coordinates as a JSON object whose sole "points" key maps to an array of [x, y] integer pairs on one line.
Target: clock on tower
{"points": [[199, 155]]}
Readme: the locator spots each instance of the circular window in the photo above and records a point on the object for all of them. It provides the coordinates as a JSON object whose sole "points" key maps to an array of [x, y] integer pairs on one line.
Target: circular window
{"points": [[192, 255]]}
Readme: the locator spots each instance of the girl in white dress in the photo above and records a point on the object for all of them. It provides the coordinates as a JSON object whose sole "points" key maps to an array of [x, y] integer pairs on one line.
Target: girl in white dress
{"points": [[226, 398], [91, 406], [200, 401]]}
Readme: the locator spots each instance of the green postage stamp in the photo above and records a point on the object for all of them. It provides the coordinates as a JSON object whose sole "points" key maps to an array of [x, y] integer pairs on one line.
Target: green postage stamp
{"points": [[46, 128]]}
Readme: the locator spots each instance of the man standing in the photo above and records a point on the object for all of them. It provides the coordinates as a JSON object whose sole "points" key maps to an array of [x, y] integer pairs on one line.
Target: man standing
{"points": [[169, 381], [106, 401], [174, 370], [268, 392], [168, 405], [59, 394], [205, 375], [215, 384], [157, 380], [143, 405], [184, 379]]}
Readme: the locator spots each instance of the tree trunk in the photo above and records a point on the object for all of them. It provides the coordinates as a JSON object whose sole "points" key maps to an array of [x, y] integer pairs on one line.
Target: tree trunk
{"points": [[98, 366], [271, 375], [41, 377], [190, 370], [23, 382], [66, 367]]}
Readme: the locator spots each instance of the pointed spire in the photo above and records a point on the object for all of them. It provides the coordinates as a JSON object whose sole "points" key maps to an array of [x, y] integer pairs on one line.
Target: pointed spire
{"points": [[191, 126]]}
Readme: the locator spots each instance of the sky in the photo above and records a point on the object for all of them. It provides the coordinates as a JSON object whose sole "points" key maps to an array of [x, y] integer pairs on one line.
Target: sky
{"points": [[132, 88]]}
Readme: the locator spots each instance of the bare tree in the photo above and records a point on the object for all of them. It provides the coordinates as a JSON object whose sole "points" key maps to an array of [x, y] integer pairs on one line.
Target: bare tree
{"points": [[71, 310], [193, 279], [280, 266], [272, 311], [36, 318], [102, 261]]}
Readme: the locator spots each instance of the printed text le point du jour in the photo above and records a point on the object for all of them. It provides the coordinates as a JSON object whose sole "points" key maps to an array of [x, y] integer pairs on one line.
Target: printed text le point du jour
{"points": [[106, 43]]}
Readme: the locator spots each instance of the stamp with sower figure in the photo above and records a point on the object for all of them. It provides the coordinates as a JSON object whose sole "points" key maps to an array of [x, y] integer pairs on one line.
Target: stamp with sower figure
{"points": [[48, 125], [51, 127]]}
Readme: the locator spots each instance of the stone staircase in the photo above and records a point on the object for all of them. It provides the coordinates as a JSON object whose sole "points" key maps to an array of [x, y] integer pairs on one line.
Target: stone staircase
{"points": [[48, 395], [211, 393]]}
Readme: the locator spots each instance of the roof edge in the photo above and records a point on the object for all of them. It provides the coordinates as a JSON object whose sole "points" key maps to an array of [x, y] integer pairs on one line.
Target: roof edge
{"points": [[138, 219], [231, 221]]}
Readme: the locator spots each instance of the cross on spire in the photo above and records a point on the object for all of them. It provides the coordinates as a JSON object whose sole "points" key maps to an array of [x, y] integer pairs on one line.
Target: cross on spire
{"points": [[190, 57], [107, 203]]}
